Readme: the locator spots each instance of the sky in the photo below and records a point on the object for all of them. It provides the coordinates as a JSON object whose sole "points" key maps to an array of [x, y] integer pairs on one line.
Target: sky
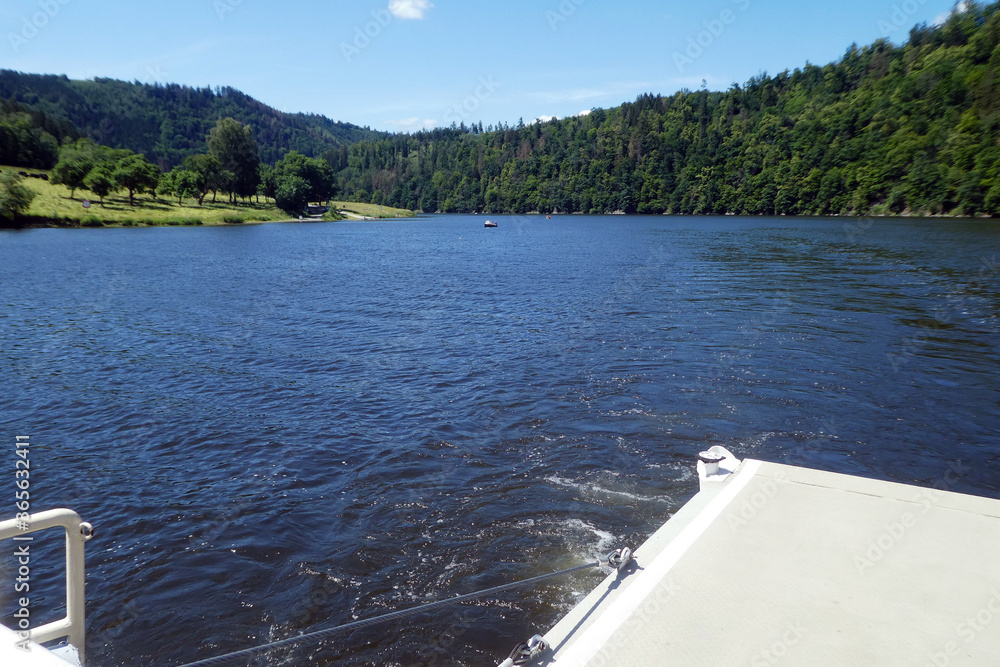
{"points": [[406, 65]]}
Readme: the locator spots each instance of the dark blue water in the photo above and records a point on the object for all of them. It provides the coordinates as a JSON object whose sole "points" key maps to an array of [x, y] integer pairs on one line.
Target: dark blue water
{"points": [[279, 428]]}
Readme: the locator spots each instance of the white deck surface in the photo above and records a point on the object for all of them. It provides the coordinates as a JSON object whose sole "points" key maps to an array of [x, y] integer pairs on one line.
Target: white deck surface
{"points": [[37, 656], [790, 566]]}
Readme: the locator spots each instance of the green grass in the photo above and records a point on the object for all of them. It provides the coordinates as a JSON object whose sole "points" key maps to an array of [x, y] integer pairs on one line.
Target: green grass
{"points": [[53, 206], [371, 210]]}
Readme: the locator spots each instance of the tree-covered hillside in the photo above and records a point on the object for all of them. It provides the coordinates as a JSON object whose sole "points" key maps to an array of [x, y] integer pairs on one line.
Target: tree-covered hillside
{"points": [[170, 122], [887, 129], [30, 138]]}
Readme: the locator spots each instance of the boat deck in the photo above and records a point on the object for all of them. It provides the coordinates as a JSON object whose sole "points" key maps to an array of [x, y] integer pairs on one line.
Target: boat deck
{"points": [[12, 652], [775, 564]]}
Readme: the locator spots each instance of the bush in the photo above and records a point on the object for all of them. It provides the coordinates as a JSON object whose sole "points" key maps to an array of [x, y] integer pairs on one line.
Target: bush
{"points": [[15, 199], [292, 195], [231, 219], [91, 221]]}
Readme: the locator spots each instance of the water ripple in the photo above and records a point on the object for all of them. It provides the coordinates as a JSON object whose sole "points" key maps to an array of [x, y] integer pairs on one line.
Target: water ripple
{"points": [[283, 427]]}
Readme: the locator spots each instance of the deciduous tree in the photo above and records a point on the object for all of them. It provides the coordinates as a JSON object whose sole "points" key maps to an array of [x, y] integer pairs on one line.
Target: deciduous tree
{"points": [[101, 181], [314, 171], [75, 162], [292, 194], [181, 183], [233, 145], [15, 198], [135, 174], [210, 173]]}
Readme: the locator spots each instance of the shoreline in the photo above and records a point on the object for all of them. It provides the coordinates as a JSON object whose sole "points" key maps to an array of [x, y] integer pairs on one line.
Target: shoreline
{"points": [[48, 224], [355, 217], [125, 224]]}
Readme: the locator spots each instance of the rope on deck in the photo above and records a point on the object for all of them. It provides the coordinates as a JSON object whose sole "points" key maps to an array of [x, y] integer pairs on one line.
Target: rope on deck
{"points": [[618, 560]]}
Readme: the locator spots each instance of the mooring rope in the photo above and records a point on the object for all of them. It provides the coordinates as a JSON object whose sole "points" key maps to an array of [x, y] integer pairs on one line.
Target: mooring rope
{"points": [[617, 560]]}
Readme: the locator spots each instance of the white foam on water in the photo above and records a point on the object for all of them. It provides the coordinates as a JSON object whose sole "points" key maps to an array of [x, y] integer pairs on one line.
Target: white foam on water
{"points": [[605, 540], [687, 473], [595, 489]]}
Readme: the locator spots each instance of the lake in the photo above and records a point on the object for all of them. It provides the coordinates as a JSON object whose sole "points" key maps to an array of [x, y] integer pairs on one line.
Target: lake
{"points": [[285, 427]]}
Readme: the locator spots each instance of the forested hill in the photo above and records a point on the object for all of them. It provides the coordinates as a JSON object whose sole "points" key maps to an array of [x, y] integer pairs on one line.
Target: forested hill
{"points": [[887, 129], [170, 122]]}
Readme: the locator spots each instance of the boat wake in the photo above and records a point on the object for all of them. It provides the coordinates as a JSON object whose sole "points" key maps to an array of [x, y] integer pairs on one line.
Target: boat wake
{"points": [[594, 492]]}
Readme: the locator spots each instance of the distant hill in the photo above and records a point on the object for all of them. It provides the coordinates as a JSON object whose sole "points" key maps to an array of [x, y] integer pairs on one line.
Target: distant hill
{"points": [[168, 122], [910, 128], [888, 129]]}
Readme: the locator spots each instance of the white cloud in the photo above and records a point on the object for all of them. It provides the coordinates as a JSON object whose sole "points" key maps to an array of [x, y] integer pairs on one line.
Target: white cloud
{"points": [[960, 8], [409, 9], [585, 112], [544, 119], [612, 91], [413, 124]]}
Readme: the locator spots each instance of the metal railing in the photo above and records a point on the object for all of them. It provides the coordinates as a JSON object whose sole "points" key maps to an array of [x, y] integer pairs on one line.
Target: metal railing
{"points": [[73, 625]]}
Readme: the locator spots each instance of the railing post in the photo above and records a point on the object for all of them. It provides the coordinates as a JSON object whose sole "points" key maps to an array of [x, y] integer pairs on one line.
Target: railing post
{"points": [[75, 588], [73, 626]]}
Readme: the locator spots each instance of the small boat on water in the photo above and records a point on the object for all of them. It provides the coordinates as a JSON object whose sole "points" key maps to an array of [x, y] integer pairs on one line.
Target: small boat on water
{"points": [[490, 223]]}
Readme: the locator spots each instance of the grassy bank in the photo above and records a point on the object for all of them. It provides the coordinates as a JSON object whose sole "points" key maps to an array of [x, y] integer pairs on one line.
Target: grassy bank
{"points": [[53, 207], [371, 210]]}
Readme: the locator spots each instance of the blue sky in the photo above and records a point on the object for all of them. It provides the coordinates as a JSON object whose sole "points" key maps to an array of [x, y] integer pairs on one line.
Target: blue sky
{"points": [[402, 65]]}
